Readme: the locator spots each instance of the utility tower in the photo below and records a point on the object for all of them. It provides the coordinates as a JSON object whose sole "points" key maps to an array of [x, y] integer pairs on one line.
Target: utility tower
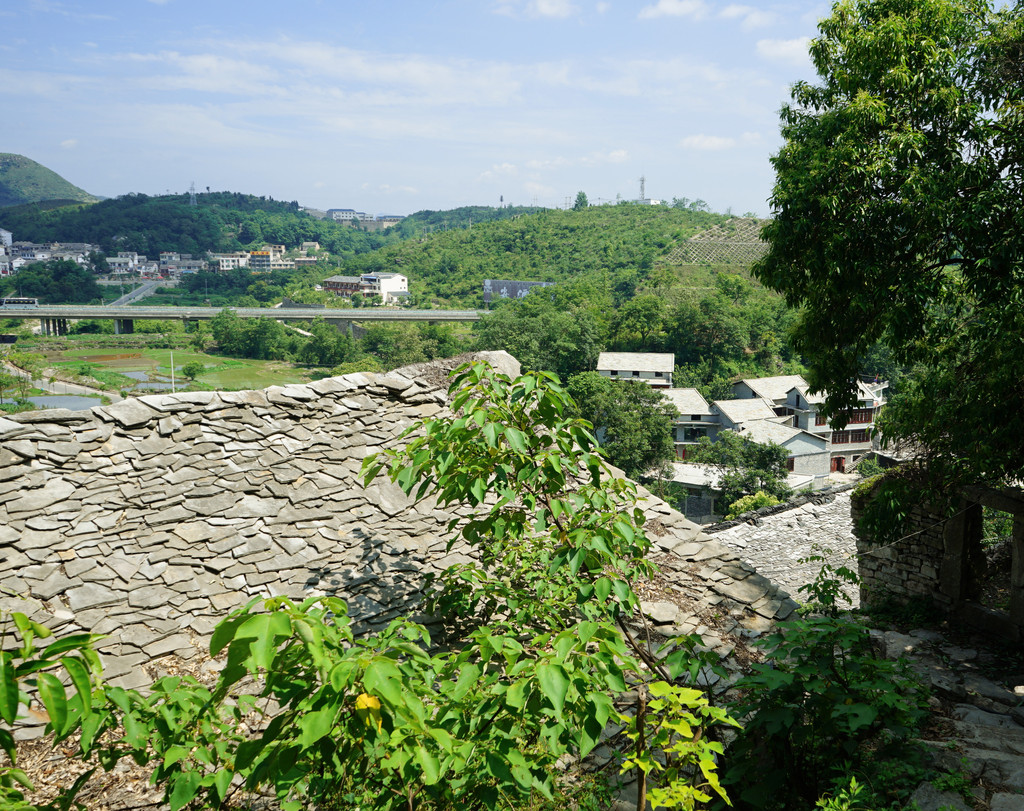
{"points": [[192, 194], [643, 193]]}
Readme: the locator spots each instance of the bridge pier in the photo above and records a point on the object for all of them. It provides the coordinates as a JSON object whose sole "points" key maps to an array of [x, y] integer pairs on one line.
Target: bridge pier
{"points": [[54, 326], [124, 326]]}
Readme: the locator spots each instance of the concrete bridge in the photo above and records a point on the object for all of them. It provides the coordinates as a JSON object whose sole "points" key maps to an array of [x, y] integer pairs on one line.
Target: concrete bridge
{"points": [[55, 317]]}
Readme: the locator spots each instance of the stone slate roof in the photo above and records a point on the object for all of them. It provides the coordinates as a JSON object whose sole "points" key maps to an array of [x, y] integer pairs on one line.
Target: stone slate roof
{"points": [[742, 411], [775, 388], [688, 402], [637, 361]]}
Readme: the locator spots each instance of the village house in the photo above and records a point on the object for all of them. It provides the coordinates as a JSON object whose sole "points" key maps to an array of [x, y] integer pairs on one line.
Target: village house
{"points": [[653, 368], [392, 288], [789, 396]]}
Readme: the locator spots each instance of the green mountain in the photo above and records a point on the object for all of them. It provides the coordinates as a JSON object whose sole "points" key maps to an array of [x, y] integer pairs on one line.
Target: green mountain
{"points": [[604, 245], [22, 180], [219, 221]]}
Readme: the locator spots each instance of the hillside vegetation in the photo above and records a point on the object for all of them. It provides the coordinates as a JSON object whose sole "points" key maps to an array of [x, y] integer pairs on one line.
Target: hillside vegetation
{"points": [[22, 180], [599, 243], [220, 221]]}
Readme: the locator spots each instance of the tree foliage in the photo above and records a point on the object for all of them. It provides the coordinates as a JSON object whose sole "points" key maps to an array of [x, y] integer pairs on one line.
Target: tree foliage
{"points": [[56, 281], [899, 219], [746, 467], [634, 422]]}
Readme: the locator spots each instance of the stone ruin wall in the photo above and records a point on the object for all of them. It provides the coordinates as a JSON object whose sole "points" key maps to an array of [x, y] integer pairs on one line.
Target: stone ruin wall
{"points": [[939, 557], [149, 520], [906, 569]]}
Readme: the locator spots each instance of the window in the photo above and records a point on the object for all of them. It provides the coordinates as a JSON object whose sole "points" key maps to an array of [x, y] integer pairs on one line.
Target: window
{"points": [[636, 374], [695, 417], [849, 437], [862, 415], [789, 464], [819, 419], [614, 373], [657, 374]]}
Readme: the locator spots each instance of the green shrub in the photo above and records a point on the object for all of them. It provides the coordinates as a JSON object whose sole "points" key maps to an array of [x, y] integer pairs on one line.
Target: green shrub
{"points": [[748, 503]]}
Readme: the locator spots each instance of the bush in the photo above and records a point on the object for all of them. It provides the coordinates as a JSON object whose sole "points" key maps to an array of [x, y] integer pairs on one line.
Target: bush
{"points": [[748, 503]]}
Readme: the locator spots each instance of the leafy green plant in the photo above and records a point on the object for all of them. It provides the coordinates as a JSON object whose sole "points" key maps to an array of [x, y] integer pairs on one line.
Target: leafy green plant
{"points": [[820, 707], [753, 502], [29, 673]]}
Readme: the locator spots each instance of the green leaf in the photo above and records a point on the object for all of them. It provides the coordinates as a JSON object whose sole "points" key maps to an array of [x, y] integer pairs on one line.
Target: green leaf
{"points": [[554, 684], [383, 678], [51, 693], [429, 764], [8, 688], [79, 674], [184, 788], [316, 725]]}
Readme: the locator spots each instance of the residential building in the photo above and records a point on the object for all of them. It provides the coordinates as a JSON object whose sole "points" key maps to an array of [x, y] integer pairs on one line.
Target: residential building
{"points": [[230, 261], [391, 287], [653, 368], [6, 238], [695, 420], [259, 261]]}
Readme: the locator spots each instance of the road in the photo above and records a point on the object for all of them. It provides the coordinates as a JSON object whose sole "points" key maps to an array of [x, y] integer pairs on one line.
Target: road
{"points": [[60, 387]]}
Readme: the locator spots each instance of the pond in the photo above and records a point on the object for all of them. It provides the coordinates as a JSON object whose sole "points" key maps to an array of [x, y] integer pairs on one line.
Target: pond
{"points": [[68, 401]]}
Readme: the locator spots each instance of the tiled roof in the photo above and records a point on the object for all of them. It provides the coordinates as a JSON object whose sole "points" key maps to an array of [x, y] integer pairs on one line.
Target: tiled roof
{"points": [[637, 361], [687, 401], [742, 411], [774, 388]]}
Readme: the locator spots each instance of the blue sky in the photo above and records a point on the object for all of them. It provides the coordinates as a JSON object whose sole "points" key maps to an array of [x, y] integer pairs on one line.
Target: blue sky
{"points": [[393, 107]]}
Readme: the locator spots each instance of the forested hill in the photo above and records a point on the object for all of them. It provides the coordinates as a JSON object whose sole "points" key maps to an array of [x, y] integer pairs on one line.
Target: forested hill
{"points": [[428, 222], [22, 180], [550, 245], [220, 221]]}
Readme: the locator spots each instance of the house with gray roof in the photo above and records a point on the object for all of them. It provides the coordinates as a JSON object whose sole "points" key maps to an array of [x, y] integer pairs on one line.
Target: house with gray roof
{"points": [[653, 368]]}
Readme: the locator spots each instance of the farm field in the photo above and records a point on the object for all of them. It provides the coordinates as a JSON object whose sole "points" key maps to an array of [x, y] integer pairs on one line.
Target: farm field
{"points": [[149, 369]]}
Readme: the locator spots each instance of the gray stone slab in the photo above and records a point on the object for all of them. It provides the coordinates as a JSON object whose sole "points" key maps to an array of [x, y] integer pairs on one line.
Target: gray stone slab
{"points": [[92, 595], [35, 501], [150, 596]]}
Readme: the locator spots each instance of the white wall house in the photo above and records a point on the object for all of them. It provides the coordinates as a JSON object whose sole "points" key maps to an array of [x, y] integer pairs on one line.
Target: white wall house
{"points": [[653, 368]]}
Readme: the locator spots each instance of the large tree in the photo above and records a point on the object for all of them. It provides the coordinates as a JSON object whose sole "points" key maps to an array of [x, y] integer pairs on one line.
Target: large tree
{"points": [[56, 281], [634, 422], [899, 218]]}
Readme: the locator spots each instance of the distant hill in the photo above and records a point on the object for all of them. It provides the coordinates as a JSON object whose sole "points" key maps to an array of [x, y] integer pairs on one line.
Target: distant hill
{"points": [[605, 244], [22, 180], [220, 221]]}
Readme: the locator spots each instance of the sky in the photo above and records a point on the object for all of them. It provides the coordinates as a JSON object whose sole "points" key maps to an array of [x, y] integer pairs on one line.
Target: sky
{"points": [[392, 107]]}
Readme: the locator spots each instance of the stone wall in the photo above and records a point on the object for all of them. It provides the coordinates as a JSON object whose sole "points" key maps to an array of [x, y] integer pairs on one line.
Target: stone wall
{"points": [[151, 519], [938, 556], [908, 568]]}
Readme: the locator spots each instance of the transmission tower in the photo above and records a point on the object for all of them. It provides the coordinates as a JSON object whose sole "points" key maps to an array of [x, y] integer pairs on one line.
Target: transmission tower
{"points": [[192, 194], [643, 193]]}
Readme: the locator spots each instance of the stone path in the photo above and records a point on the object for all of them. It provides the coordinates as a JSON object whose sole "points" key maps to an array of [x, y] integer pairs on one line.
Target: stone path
{"points": [[775, 544]]}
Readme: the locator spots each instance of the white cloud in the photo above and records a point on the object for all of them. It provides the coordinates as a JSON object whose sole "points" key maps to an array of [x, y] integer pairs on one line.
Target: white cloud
{"points": [[749, 16], [549, 9], [602, 8], [707, 143], [70, 143], [789, 51], [674, 8], [498, 170]]}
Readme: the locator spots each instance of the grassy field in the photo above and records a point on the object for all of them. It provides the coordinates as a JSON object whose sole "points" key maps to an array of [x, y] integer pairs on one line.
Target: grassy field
{"points": [[123, 369]]}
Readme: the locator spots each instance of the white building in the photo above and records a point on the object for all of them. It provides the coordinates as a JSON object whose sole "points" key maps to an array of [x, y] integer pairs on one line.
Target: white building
{"points": [[653, 368]]}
